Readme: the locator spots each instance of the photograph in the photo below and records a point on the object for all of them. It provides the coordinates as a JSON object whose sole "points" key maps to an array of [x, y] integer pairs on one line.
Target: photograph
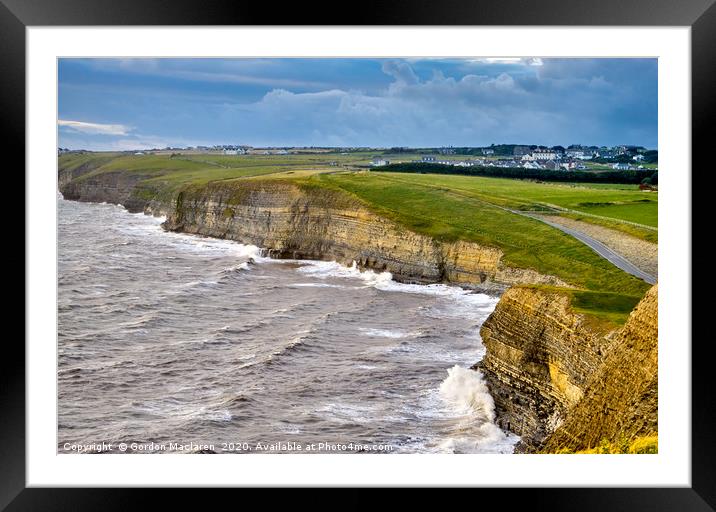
{"points": [[358, 255], [416, 251]]}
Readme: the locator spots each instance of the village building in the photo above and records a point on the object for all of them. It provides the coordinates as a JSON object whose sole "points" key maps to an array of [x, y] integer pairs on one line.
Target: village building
{"points": [[579, 154], [541, 155]]}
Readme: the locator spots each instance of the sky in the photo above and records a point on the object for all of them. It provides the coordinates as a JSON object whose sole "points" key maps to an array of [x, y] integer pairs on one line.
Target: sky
{"points": [[131, 104]]}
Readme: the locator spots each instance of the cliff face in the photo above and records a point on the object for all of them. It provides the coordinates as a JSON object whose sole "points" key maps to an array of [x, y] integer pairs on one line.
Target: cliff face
{"points": [[560, 384], [621, 398], [303, 223], [113, 187], [290, 221], [539, 356]]}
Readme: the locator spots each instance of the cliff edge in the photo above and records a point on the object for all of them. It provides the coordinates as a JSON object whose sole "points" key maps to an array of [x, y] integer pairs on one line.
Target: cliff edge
{"points": [[565, 382]]}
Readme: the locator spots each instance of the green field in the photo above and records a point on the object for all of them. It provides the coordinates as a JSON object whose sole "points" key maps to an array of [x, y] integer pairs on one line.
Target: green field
{"points": [[619, 202], [448, 213], [445, 207]]}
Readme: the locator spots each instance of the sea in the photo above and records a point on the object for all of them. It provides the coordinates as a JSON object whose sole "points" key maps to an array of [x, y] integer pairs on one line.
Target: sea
{"points": [[171, 342]]}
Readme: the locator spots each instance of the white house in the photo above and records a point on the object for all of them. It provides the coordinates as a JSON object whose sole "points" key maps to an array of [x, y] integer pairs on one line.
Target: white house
{"points": [[579, 154], [540, 155], [544, 155], [379, 162], [638, 158]]}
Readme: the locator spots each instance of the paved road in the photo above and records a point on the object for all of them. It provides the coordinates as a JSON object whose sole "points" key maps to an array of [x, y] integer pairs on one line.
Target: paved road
{"points": [[598, 247]]}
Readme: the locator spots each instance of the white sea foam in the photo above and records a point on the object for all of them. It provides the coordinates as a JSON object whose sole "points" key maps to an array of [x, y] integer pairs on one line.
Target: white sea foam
{"points": [[387, 333], [142, 225], [384, 281], [316, 285], [332, 269], [488, 439], [172, 407], [223, 415], [236, 268], [467, 392]]}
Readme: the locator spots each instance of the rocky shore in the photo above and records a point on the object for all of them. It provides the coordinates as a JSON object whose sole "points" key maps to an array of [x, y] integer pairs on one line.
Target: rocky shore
{"points": [[558, 380]]}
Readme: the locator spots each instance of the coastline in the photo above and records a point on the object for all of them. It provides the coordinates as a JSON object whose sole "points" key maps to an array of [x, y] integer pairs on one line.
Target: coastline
{"points": [[291, 223]]}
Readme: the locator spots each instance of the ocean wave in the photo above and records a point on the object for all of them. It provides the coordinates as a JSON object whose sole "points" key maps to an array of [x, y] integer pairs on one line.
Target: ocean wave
{"points": [[293, 343], [175, 408], [316, 285], [387, 333], [384, 281], [466, 390], [235, 268]]}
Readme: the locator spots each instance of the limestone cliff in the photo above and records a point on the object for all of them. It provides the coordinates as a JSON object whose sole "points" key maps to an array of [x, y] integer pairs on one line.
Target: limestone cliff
{"points": [[299, 222], [293, 221], [561, 383], [620, 401]]}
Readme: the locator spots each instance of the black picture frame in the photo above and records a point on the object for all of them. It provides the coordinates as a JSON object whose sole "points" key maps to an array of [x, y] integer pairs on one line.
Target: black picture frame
{"points": [[700, 15]]}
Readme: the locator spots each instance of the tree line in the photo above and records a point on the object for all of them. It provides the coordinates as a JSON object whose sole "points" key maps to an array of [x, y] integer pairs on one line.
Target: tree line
{"points": [[631, 177]]}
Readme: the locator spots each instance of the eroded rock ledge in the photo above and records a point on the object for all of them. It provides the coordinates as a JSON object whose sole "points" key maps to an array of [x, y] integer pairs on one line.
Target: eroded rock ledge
{"points": [[291, 221], [562, 384]]}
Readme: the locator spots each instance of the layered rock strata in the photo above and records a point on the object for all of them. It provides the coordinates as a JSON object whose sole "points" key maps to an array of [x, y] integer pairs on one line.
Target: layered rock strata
{"points": [[620, 400], [290, 221], [560, 383]]}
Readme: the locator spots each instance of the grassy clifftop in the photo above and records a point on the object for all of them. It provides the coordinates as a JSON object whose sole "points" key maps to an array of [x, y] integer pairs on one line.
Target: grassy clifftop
{"points": [[431, 207], [447, 208]]}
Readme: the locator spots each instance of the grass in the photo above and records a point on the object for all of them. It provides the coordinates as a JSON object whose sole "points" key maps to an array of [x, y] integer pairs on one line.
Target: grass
{"points": [[643, 445], [449, 214], [611, 307], [72, 161], [163, 176], [444, 207], [604, 311], [167, 175], [619, 202]]}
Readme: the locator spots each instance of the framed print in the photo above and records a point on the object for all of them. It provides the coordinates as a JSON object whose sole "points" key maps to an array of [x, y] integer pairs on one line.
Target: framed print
{"points": [[423, 254]]}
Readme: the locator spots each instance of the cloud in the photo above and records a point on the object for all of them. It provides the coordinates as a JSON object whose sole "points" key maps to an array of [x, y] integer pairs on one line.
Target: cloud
{"points": [[132, 142], [400, 71], [244, 71], [536, 107], [395, 102], [522, 61], [236, 78], [94, 128]]}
